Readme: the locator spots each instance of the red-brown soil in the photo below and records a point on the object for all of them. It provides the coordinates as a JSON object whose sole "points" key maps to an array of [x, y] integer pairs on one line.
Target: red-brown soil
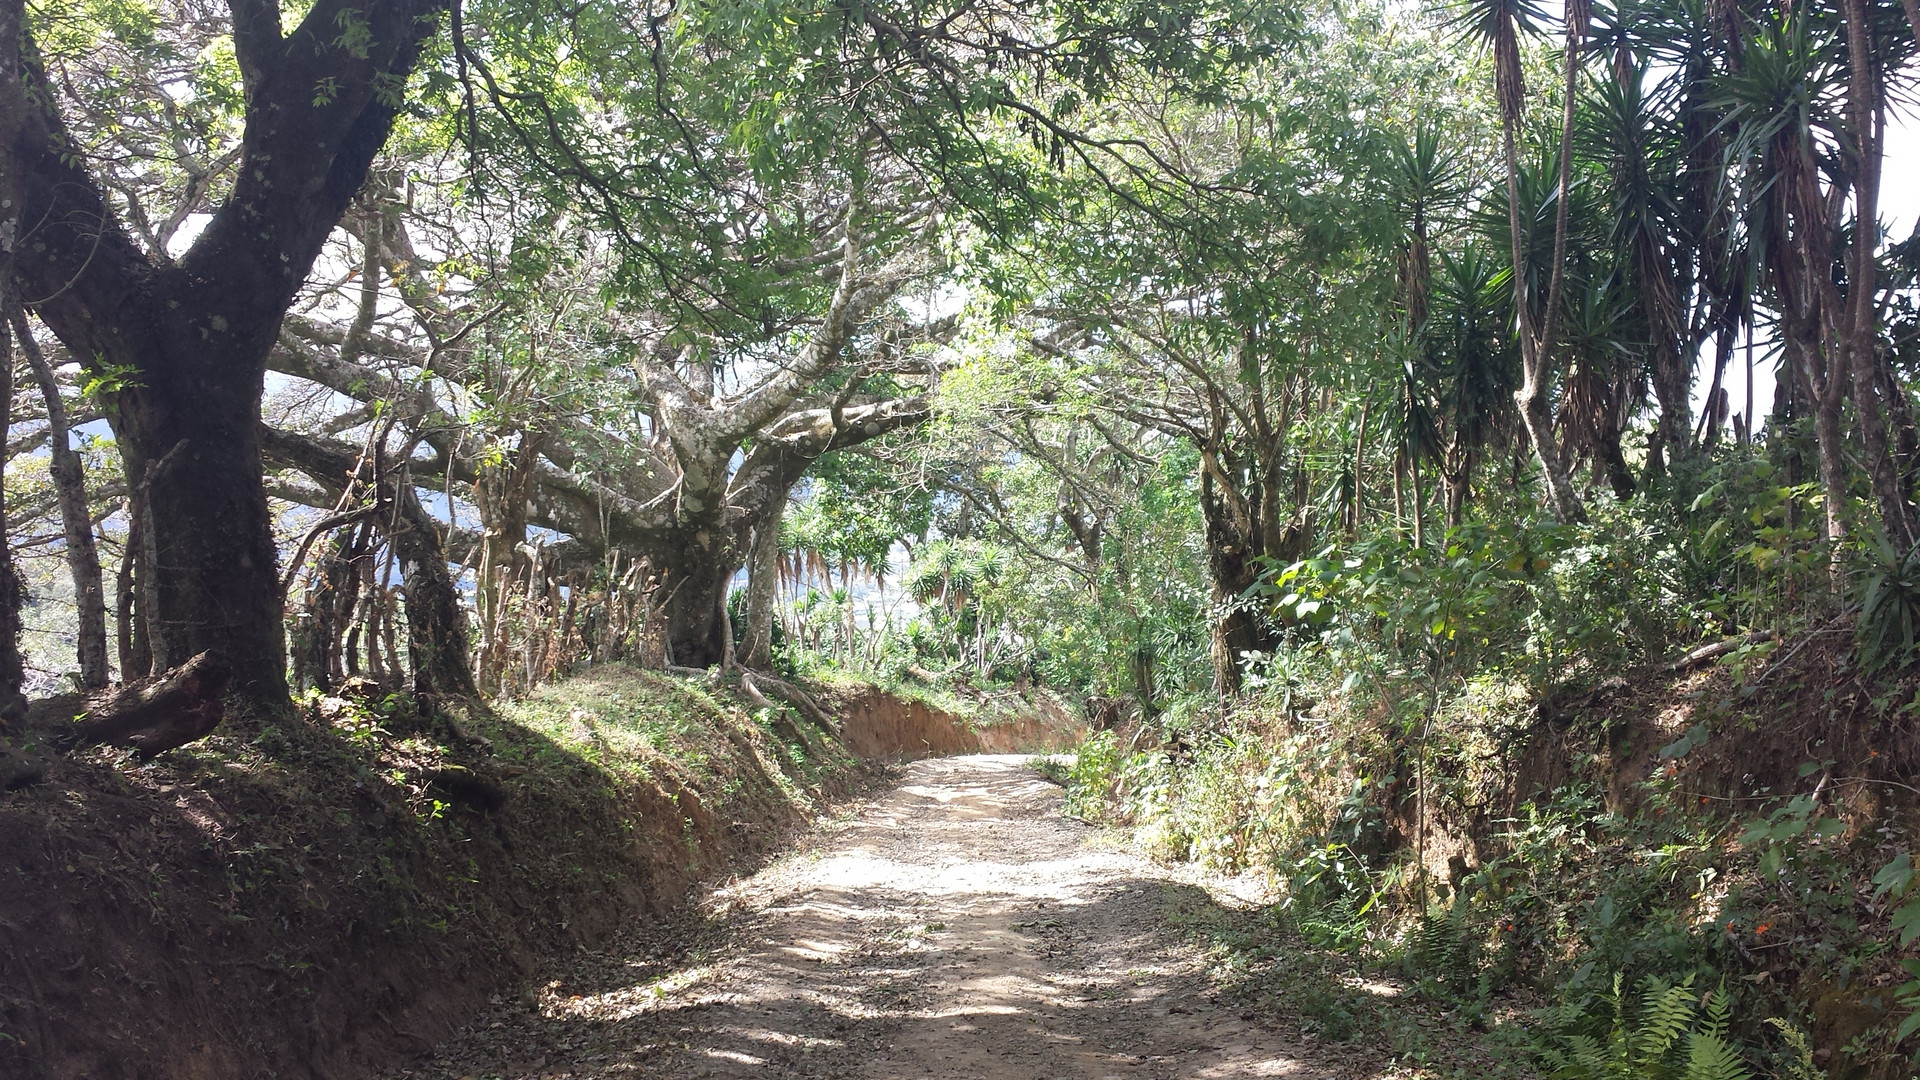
{"points": [[882, 726]]}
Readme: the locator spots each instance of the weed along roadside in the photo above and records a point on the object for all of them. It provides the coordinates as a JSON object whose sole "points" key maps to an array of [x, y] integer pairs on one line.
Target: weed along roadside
{"points": [[310, 895]]}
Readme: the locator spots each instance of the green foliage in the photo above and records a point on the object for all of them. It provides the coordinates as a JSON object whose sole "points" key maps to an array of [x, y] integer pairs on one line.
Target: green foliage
{"points": [[854, 509], [1330, 892], [1889, 625], [1446, 947], [1670, 1032], [1587, 598], [1096, 762], [1897, 885]]}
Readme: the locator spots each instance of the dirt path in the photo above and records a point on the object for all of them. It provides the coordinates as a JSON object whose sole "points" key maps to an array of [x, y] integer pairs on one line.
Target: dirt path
{"points": [[958, 926]]}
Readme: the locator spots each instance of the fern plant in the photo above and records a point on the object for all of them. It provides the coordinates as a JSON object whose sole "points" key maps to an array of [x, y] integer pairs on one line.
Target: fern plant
{"points": [[1331, 891], [1670, 1032], [1446, 947]]}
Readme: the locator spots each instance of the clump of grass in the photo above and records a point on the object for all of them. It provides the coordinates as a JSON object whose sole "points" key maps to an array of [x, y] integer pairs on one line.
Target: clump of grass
{"points": [[627, 722]]}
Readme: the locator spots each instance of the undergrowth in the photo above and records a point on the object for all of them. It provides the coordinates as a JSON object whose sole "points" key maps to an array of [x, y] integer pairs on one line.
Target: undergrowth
{"points": [[1591, 870]]}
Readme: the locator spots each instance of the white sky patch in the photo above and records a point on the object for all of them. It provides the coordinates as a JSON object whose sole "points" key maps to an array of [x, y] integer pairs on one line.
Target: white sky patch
{"points": [[186, 234]]}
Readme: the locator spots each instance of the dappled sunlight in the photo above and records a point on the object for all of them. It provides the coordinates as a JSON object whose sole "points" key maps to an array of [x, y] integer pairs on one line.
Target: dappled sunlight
{"points": [[959, 927]]}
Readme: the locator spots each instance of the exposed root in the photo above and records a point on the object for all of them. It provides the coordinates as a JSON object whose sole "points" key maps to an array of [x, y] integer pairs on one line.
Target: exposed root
{"points": [[157, 715]]}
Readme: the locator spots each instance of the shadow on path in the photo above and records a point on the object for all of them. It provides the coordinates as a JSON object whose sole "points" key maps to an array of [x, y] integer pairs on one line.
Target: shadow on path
{"points": [[959, 926]]}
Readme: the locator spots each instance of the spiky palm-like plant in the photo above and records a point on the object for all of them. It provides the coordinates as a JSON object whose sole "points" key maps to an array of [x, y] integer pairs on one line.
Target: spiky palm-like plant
{"points": [[1498, 25]]}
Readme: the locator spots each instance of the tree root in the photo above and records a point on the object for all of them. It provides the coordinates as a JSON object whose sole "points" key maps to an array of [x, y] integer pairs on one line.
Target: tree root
{"points": [[157, 715], [796, 697], [752, 681], [17, 769]]}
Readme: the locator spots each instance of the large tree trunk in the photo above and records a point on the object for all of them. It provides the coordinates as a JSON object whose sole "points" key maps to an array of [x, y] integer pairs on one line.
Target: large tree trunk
{"points": [[213, 579], [1233, 567], [76, 518], [183, 345], [700, 554], [1672, 366], [763, 587], [698, 571], [1456, 477], [436, 623], [14, 128]]}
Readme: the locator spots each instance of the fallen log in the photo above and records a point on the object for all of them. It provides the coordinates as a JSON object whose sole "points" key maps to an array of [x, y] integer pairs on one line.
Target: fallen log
{"points": [[1717, 649], [155, 715]]}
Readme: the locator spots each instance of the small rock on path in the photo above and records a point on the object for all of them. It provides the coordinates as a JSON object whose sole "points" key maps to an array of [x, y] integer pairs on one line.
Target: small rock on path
{"points": [[958, 926]]}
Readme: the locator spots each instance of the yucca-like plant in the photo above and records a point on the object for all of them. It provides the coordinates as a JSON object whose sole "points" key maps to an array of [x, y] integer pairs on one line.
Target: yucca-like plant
{"points": [[1889, 606]]}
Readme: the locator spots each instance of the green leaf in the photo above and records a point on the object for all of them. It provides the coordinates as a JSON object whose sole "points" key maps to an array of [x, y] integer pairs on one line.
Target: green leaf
{"points": [[1906, 919], [1907, 1027]]}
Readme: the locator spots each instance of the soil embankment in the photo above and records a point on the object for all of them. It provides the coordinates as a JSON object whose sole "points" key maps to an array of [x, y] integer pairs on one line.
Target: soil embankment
{"points": [[882, 726]]}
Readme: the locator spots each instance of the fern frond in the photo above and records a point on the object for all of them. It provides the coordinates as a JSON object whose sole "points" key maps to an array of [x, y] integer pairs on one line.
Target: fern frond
{"points": [[1710, 1058], [1666, 1012], [1716, 1013]]}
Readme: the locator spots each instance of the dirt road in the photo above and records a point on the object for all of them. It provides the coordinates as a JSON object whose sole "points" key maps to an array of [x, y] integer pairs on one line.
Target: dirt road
{"points": [[958, 926]]}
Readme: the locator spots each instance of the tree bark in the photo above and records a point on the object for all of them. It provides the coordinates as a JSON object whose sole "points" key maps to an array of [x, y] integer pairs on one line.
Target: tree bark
{"points": [[1537, 328], [135, 646], [712, 536], [697, 572], [1828, 437], [13, 223], [436, 623], [213, 578], [76, 517], [763, 587], [13, 673], [1613, 459], [152, 718], [437, 638], [1232, 568], [1859, 326]]}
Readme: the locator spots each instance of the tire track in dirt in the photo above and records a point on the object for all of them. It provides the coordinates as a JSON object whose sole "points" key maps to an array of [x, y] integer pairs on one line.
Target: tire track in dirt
{"points": [[958, 926]]}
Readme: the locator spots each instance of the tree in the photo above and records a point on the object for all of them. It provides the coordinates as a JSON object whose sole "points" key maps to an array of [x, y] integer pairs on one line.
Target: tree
{"points": [[1498, 25], [13, 703], [181, 346], [76, 518]]}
